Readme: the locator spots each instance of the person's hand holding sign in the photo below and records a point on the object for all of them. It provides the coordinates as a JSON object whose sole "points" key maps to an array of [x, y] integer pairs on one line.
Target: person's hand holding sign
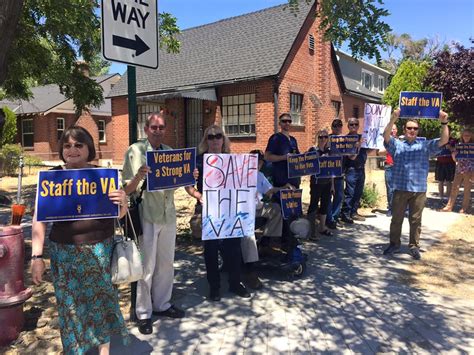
{"points": [[119, 197], [141, 173]]}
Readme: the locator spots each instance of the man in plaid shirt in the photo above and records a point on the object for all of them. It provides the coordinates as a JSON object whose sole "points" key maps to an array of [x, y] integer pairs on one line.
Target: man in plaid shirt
{"points": [[410, 172]]}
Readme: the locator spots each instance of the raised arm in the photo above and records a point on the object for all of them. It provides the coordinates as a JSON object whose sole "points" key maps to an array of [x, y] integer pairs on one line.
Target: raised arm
{"points": [[388, 129], [444, 137]]}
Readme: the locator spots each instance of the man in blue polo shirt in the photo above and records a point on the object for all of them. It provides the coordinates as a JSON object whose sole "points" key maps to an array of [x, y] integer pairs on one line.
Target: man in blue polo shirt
{"points": [[409, 174]]}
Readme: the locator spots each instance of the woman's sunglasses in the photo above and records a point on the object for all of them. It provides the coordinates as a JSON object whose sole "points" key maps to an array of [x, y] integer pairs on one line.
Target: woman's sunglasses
{"points": [[412, 128], [214, 136]]}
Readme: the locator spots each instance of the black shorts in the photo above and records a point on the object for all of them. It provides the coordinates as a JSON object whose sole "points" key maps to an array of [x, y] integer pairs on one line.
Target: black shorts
{"points": [[445, 172]]}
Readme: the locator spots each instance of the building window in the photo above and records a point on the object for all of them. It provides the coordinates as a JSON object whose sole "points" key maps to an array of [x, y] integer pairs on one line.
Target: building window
{"points": [[367, 79], [101, 126], [337, 107], [144, 110], [296, 106], [238, 114], [381, 84], [355, 111], [60, 127], [311, 42], [27, 133]]}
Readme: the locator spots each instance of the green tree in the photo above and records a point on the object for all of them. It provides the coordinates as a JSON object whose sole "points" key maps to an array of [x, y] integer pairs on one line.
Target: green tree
{"points": [[8, 132]]}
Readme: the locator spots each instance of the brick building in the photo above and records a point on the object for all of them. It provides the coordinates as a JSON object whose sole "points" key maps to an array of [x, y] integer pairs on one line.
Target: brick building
{"points": [[241, 73], [42, 120]]}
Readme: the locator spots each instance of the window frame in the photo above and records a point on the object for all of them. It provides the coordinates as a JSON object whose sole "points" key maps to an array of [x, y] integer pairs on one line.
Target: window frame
{"points": [[238, 111], [104, 139], [296, 116], [60, 119], [381, 88], [337, 107], [365, 72], [23, 121]]}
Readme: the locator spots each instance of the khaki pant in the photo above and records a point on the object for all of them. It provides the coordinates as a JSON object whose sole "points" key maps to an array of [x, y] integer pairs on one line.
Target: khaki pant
{"points": [[466, 179], [415, 201]]}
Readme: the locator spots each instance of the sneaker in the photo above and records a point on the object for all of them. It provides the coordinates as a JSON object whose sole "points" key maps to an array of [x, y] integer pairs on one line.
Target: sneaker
{"points": [[358, 217], [332, 225], [347, 220], [240, 291], [392, 249], [415, 253], [251, 280], [145, 326], [172, 312]]}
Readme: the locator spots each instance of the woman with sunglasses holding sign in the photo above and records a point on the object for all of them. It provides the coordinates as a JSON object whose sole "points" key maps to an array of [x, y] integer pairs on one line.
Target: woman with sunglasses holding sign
{"points": [[215, 141], [88, 308]]}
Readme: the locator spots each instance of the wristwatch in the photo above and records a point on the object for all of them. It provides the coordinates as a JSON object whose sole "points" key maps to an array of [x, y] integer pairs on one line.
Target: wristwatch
{"points": [[444, 123], [34, 257]]}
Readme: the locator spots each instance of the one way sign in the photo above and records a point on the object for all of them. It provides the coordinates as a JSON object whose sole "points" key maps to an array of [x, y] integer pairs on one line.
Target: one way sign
{"points": [[130, 32]]}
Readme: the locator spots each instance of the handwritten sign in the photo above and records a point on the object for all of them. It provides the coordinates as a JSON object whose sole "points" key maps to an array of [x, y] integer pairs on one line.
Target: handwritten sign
{"points": [[74, 194], [465, 151], [303, 164], [420, 104], [291, 203], [344, 145], [170, 168], [376, 118], [229, 190], [330, 166]]}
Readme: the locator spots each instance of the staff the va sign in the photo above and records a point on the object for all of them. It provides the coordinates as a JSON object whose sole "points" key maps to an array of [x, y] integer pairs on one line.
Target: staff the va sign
{"points": [[130, 32]]}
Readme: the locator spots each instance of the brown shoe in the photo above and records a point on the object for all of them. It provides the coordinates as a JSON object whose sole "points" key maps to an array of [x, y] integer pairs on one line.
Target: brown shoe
{"points": [[251, 280]]}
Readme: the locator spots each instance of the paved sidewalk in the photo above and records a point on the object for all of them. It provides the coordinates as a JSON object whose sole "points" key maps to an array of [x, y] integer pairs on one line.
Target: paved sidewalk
{"points": [[350, 300]]}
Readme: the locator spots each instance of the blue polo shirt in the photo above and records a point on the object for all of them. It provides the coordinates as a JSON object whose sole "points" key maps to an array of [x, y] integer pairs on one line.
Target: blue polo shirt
{"points": [[411, 163], [279, 144]]}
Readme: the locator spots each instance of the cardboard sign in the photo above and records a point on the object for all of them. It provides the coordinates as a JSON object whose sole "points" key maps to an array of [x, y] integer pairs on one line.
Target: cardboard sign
{"points": [[303, 164], [291, 203], [465, 151], [344, 145], [376, 118], [74, 194], [170, 168], [229, 190], [330, 166], [420, 104]]}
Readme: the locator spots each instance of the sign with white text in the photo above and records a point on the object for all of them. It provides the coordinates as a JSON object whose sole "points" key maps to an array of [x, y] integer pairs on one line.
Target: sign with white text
{"points": [[303, 164], [130, 32], [344, 145], [420, 104], [229, 190], [465, 151], [376, 118], [73, 194], [291, 203]]}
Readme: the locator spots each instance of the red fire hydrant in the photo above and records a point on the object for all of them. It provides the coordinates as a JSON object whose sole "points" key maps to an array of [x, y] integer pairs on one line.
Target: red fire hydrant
{"points": [[12, 289]]}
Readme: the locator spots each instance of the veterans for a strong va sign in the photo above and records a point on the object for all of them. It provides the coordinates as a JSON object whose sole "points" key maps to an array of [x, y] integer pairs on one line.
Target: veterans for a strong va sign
{"points": [[229, 195], [73, 194]]}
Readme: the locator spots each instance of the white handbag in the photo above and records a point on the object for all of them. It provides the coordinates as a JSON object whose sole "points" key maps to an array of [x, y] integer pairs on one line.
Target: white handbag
{"points": [[126, 264]]}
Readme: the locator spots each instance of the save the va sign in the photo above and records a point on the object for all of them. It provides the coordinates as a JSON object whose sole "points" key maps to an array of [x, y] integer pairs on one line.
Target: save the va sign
{"points": [[130, 32]]}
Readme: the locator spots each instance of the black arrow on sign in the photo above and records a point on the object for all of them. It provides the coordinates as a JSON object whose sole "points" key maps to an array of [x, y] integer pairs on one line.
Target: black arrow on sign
{"points": [[137, 44]]}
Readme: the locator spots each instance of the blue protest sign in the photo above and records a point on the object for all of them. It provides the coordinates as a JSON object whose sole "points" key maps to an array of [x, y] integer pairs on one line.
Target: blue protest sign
{"points": [[420, 104], [73, 194], [330, 166], [465, 151], [170, 168], [303, 164], [291, 204], [344, 145]]}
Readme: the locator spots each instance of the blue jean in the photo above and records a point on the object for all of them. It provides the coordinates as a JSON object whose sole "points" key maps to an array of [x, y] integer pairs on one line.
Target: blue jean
{"points": [[389, 185], [335, 202], [355, 179]]}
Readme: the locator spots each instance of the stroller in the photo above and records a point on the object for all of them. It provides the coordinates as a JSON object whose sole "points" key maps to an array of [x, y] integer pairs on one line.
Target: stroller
{"points": [[288, 256]]}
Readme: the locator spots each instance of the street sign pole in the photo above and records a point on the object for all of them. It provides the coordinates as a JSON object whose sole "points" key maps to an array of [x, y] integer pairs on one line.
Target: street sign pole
{"points": [[132, 103]]}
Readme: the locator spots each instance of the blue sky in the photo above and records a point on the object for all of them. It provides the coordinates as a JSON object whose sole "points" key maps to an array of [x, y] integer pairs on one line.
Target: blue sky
{"points": [[448, 21]]}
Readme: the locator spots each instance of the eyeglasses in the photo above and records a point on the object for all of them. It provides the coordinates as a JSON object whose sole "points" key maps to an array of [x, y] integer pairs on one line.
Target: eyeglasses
{"points": [[412, 128], [73, 145], [323, 137], [353, 124], [214, 136], [285, 121], [160, 127]]}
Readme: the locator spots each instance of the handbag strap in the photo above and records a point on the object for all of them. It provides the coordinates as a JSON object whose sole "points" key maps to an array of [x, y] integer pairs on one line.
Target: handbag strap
{"points": [[128, 220], [139, 199]]}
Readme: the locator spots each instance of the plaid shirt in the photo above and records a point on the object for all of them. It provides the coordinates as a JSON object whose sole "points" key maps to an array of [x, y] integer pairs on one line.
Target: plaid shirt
{"points": [[411, 163]]}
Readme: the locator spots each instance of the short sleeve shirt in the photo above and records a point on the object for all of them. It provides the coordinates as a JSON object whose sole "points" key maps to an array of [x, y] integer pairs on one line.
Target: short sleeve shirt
{"points": [[157, 206], [411, 163], [280, 144]]}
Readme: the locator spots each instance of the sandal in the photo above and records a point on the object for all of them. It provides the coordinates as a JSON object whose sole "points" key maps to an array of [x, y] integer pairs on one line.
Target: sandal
{"points": [[326, 233]]}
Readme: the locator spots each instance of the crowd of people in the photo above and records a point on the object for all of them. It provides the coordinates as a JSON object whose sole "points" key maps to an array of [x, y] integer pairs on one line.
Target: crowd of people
{"points": [[80, 250]]}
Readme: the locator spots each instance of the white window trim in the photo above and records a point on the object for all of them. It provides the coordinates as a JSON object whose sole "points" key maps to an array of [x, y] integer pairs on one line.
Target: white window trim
{"points": [[105, 135], [295, 115], [23, 132], [365, 71], [64, 126], [381, 89]]}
